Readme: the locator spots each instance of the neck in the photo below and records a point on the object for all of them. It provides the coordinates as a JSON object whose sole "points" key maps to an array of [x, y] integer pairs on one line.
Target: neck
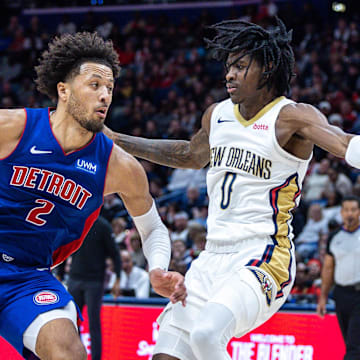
{"points": [[351, 228], [251, 106], [68, 132]]}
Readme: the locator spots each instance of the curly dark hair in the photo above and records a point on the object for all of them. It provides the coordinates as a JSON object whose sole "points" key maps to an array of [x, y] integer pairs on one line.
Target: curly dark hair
{"points": [[270, 48], [67, 53]]}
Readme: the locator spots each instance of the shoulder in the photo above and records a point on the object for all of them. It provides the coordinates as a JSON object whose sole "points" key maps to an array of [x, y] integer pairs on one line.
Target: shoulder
{"points": [[12, 124], [300, 111], [12, 119], [206, 119], [330, 240]]}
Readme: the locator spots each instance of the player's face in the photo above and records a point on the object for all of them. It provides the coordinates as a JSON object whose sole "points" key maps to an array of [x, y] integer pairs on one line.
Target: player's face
{"points": [[350, 213], [241, 85], [90, 95]]}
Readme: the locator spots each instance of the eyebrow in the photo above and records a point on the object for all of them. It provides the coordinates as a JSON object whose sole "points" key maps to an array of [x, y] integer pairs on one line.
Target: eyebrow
{"points": [[100, 77], [236, 61]]}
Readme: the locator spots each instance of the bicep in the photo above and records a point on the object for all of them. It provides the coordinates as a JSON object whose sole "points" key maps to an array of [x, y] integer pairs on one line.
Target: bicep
{"points": [[328, 137], [128, 178], [312, 125], [329, 264], [199, 143], [135, 194]]}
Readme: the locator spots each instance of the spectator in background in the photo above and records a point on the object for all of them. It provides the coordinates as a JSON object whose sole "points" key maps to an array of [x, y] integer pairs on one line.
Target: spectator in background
{"points": [[307, 243], [87, 276], [118, 225], [134, 280], [342, 267], [180, 257], [315, 183], [304, 290], [332, 209], [199, 244], [136, 250], [66, 26], [192, 198], [112, 205], [183, 178], [180, 231], [338, 181], [314, 270]]}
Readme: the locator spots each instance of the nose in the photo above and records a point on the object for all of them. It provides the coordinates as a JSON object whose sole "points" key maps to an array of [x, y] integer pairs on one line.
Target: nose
{"points": [[105, 95], [230, 75]]}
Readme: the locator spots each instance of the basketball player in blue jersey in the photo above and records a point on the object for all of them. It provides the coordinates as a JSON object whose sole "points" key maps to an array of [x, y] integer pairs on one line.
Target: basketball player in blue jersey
{"points": [[259, 144], [55, 168]]}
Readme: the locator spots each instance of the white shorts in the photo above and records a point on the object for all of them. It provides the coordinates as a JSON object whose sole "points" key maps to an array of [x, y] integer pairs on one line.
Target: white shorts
{"points": [[258, 270], [32, 332]]}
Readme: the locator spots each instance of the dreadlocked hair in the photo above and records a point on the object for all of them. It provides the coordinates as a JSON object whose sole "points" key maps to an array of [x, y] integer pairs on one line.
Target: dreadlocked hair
{"points": [[67, 53], [270, 48]]}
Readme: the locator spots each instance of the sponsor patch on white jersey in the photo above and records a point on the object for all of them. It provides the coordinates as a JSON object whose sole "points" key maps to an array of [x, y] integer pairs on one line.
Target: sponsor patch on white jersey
{"points": [[46, 297]]}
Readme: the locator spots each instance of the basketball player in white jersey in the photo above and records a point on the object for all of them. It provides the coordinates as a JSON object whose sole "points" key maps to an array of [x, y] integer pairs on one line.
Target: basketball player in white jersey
{"points": [[259, 144]]}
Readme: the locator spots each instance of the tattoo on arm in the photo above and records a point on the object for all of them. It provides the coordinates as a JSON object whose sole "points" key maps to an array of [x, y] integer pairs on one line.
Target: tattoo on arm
{"points": [[172, 153]]}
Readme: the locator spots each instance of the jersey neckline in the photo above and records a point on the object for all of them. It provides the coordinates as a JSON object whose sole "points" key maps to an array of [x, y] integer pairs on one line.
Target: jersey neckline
{"points": [[50, 111], [261, 112]]}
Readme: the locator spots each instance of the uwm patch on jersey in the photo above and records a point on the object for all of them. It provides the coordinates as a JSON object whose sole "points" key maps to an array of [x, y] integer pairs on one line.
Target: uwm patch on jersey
{"points": [[265, 283]]}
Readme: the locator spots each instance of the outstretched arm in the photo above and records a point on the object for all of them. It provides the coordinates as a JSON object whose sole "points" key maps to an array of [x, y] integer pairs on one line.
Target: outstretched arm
{"points": [[309, 123], [173, 153]]}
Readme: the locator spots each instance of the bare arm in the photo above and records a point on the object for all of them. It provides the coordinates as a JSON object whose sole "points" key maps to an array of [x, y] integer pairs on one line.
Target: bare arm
{"points": [[310, 124], [127, 178], [327, 280], [174, 153], [12, 124]]}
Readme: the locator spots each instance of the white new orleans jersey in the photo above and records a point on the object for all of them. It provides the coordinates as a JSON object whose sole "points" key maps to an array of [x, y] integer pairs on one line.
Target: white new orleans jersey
{"points": [[253, 183]]}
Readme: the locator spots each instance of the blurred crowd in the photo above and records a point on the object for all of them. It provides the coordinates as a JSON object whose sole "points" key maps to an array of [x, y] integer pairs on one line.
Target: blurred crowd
{"points": [[168, 79]]}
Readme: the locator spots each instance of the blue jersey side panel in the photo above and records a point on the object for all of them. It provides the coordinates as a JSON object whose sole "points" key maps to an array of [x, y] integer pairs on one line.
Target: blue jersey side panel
{"points": [[49, 199]]}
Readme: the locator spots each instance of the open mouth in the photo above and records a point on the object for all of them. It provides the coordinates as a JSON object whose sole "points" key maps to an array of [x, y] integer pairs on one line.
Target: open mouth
{"points": [[231, 90], [101, 112]]}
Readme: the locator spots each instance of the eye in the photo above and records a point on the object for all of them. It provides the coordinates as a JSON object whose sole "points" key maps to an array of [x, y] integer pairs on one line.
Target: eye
{"points": [[110, 88], [94, 84], [238, 66]]}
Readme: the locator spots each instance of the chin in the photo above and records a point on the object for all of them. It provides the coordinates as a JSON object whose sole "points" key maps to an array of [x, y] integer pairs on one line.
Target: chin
{"points": [[235, 99], [93, 126]]}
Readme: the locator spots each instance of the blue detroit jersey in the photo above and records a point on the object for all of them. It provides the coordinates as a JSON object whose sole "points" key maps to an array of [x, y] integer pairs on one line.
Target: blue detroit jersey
{"points": [[49, 199]]}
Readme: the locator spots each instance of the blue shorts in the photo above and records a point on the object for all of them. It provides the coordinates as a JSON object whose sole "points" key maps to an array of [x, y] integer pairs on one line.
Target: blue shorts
{"points": [[24, 294]]}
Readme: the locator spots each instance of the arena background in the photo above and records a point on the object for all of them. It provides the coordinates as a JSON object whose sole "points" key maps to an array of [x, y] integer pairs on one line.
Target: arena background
{"points": [[167, 81]]}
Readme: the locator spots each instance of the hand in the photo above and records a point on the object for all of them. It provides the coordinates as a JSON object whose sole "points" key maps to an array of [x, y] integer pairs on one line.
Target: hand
{"points": [[321, 307], [116, 291], [169, 284]]}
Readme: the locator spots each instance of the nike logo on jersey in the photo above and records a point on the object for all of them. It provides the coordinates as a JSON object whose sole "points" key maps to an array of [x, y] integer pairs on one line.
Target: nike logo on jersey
{"points": [[7, 258], [222, 121], [35, 151]]}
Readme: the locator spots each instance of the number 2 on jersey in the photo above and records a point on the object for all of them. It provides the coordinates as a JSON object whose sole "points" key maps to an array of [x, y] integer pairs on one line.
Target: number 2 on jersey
{"points": [[226, 189], [45, 208]]}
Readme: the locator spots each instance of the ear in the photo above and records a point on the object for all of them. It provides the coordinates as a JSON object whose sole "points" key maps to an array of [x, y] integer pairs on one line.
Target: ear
{"points": [[63, 91]]}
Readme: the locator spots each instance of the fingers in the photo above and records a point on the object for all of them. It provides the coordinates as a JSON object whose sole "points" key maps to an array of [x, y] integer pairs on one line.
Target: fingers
{"points": [[179, 294], [321, 311]]}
